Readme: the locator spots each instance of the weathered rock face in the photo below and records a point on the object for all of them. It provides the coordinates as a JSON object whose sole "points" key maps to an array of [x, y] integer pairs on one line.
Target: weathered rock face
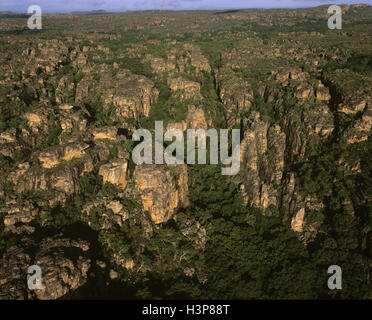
{"points": [[61, 273], [282, 76], [64, 86], [134, 95], [185, 89], [53, 54], [235, 93], [71, 118], [109, 133], [262, 154], [323, 94], [115, 172], [302, 208], [14, 213], [160, 65], [37, 119], [296, 81], [13, 274], [9, 143], [56, 155], [179, 60], [303, 92], [8, 136], [353, 106], [181, 177], [131, 95], [297, 74], [301, 122], [304, 122], [195, 119], [83, 89], [197, 59], [182, 125], [56, 184], [361, 128], [353, 90], [159, 191], [298, 221]]}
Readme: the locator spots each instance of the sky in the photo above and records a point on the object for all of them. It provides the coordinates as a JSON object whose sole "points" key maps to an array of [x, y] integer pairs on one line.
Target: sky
{"points": [[124, 5]]}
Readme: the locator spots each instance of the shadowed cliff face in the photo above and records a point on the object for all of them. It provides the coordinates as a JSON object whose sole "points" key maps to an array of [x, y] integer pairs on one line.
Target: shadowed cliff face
{"points": [[73, 202]]}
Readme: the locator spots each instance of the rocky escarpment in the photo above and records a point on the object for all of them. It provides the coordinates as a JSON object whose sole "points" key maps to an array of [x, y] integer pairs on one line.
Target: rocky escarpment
{"points": [[179, 60], [235, 93], [60, 272], [286, 115], [71, 133], [160, 191], [262, 153]]}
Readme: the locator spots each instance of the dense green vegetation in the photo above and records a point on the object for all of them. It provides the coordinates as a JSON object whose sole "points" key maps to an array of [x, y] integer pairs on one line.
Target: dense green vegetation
{"points": [[361, 63], [251, 256]]}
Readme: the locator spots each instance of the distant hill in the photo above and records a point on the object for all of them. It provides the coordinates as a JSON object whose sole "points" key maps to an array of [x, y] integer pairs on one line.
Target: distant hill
{"points": [[89, 13], [9, 14]]}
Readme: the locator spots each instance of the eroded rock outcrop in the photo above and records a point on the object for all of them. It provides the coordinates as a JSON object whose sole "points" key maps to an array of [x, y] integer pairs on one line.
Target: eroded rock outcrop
{"points": [[115, 172], [361, 128], [185, 89], [235, 93], [160, 192], [133, 95], [262, 154], [109, 133], [56, 155], [57, 184], [64, 265], [15, 213]]}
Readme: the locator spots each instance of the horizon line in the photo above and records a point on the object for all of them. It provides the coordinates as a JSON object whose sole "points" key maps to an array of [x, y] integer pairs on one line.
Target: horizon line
{"points": [[176, 10]]}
